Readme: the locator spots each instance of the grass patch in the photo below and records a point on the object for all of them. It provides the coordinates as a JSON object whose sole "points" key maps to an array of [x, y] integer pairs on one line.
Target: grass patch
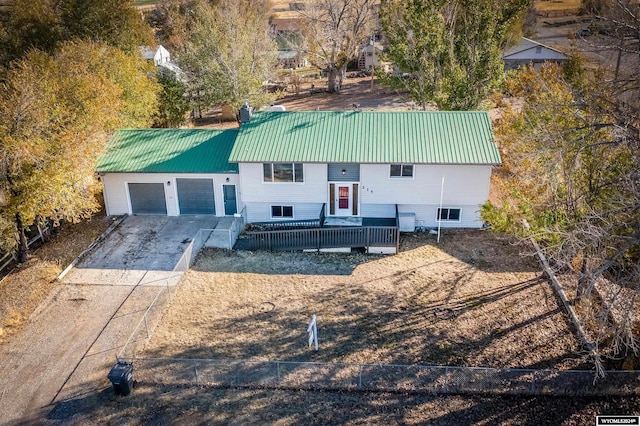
{"points": [[144, 2]]}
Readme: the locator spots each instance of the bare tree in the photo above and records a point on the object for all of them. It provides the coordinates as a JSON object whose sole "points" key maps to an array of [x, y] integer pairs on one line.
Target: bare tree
{"points": [[571, 152], [334, 30]]}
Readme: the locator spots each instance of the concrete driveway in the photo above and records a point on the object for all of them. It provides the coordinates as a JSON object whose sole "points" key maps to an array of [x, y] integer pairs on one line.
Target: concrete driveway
{"points": [[66, 349], [143, 250]]}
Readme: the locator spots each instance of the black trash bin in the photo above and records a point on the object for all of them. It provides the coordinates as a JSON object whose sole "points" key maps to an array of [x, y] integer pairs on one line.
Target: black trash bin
{"points": [[121, 377]]}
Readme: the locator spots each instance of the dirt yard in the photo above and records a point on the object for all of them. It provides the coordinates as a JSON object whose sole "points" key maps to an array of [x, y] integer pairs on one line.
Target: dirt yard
{"points": [[357, 93], [471, 300], [30, 284]]}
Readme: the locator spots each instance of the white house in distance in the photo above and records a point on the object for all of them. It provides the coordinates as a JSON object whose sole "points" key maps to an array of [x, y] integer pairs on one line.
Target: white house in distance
{"points": [[362, 167], [159, 56], [530, 52], [370, 55]]}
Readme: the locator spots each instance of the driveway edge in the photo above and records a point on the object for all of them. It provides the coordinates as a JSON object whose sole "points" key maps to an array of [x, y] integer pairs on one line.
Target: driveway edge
{"points": [[86, 251]]}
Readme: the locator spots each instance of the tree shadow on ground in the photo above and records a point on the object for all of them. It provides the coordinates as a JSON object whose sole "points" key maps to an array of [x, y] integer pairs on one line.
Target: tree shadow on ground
{"points": [[358, 326], [157, 404]]}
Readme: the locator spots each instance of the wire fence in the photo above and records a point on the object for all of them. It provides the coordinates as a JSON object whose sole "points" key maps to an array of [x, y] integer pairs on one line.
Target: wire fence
{"points": [[149, 321], [354, 377], [382, 377]]}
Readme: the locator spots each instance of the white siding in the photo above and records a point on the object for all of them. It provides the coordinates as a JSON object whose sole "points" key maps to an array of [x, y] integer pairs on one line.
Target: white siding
{"points": [[463, 185], [117, 199], [378, 210], [312, 190], [426, 215], [261, 212]]}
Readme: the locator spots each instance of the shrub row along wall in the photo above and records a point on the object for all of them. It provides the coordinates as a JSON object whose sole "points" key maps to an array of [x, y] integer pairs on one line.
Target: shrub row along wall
{"points": [[381, 377]]}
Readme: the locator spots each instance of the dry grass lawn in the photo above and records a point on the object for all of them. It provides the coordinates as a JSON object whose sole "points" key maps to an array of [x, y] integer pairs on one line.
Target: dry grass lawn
{"points": [[471, 300], [557, 5]]}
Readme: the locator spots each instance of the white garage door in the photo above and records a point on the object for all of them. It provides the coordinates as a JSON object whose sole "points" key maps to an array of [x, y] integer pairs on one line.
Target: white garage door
{"points": [[147, 198]]}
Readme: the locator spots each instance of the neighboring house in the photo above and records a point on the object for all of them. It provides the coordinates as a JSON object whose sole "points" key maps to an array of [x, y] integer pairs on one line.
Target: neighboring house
{"points": [[291, 59], [530, 52], [370, 56], [170, 172], [159, 56], [162, 59], [290, 55], [355, 165]]}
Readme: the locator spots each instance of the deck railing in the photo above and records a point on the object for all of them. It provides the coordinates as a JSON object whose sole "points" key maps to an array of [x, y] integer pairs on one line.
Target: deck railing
{"points": [[283, 225], [322, 238]]}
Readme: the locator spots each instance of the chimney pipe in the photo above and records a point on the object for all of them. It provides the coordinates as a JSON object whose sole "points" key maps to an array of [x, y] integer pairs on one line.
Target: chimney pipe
{"points": [[245, 113]]}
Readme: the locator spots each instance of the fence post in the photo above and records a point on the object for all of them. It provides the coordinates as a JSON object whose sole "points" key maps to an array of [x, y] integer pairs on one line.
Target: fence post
{"points": [[146, 324], [445, 385], [532, 389], [368, 238]]}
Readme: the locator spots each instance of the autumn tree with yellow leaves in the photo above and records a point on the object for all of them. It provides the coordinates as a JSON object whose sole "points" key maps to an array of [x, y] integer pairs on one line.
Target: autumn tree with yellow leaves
{"points": [[56, 114]]}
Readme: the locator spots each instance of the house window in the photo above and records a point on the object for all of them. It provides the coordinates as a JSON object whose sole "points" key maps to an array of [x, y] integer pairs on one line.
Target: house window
{"points": [[448, 214], [278, 212], [282, 172], [401, 170], [538, 49]]}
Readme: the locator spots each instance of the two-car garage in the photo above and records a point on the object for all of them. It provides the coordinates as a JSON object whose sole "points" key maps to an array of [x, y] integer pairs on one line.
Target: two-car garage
{"points": [[170, 172], [195, 196]]}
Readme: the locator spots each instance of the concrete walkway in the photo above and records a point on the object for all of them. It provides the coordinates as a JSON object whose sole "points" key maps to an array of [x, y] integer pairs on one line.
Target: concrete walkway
{"points": [[71, 341]]}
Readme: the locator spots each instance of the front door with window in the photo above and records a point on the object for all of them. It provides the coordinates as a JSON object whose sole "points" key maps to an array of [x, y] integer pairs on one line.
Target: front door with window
{"points": [[343, 199]]}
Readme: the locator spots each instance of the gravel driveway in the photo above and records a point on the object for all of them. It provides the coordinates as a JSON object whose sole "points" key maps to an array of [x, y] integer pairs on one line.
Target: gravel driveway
{"points": [[69, 344]]}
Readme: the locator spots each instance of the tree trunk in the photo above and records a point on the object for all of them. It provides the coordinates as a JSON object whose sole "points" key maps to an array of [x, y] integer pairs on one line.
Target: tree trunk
{"points": [[333, 86], [23, 248]]}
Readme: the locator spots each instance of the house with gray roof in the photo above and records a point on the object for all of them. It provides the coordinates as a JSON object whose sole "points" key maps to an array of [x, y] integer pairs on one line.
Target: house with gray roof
{"points": [[421, 168], [530, 52]]}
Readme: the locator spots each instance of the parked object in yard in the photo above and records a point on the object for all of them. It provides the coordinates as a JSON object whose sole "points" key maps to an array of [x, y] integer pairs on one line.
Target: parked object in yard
{"points": [[121, 377]]}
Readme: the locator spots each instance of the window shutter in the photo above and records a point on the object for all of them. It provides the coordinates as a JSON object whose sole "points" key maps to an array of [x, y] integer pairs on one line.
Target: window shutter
{"points": [[355, 199], [332, 199]]}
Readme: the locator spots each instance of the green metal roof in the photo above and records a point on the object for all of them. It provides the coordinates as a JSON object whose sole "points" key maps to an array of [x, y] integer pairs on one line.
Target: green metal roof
{"points": [[170, 151], [417, 137]]}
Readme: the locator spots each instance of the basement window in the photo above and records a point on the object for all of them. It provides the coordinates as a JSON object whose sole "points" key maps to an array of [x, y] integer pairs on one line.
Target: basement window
{"points": [[279, 212], [448, 214]]}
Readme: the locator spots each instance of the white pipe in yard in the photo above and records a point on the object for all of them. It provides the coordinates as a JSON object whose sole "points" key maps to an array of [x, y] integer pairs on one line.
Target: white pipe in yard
{"points": [[440, 210]]}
